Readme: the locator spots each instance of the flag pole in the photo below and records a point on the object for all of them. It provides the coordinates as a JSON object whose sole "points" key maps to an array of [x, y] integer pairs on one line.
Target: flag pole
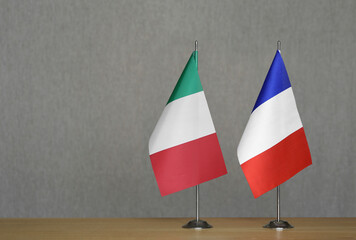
{"points": [[278, 224], [197, 186], [278, 204], [197, 223]]}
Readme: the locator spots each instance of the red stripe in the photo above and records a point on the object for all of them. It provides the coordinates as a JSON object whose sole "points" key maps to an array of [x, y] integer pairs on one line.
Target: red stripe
{"points": [[188, 164], [277, 164]]}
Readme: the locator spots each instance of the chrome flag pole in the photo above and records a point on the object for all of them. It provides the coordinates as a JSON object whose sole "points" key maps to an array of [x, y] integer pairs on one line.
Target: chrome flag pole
{"points": [[278, 224], [197, 223], [278, 197], [197, 186]]}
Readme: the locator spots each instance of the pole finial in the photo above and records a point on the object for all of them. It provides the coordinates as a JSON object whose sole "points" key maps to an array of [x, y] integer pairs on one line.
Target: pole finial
{"points": [[196, 45], [279, 45]]}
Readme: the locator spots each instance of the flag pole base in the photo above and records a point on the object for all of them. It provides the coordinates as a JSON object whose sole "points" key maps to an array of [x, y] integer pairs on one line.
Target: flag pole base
{"points": [[201, 224], [278, 224]]}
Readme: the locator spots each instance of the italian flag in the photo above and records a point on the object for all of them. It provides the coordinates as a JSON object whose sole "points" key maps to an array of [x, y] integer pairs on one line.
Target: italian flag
{"points": [[184, 147]]}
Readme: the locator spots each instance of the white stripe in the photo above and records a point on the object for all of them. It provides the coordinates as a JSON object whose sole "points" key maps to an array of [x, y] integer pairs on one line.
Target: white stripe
{"points": [[269, 124], [182, 120]]}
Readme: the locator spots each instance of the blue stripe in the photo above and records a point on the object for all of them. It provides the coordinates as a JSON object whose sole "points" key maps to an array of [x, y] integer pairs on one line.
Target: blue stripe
{"points": [[277, 81]]}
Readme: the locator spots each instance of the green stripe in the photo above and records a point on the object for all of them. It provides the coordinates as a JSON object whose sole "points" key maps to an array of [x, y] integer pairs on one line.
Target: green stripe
{"points": [[189, 82]]}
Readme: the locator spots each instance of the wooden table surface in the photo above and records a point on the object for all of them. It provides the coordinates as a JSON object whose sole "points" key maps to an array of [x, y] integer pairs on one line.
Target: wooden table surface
{"points": [[170, 228]]}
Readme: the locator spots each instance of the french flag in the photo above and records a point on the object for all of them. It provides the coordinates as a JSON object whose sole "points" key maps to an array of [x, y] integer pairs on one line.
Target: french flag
{"points": [[273, 147]]}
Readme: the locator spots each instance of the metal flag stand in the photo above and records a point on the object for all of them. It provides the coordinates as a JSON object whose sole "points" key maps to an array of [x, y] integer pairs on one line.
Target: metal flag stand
{"points": [[278, 223], [197, 223]]}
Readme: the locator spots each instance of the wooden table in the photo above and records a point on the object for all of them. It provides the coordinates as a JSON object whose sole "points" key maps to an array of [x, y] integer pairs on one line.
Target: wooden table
{"points": [[170, 228]]}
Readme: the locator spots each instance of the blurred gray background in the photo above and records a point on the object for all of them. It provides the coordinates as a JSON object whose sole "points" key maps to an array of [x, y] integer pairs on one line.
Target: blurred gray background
{"points": [[83, 83]]}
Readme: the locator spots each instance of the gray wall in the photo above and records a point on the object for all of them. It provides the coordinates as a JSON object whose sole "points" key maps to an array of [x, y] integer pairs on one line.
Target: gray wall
{"points": [[83, 83]]}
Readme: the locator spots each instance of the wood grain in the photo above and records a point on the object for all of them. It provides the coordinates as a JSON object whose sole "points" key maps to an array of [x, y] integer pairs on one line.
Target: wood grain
{"points": [[170, 228]]}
